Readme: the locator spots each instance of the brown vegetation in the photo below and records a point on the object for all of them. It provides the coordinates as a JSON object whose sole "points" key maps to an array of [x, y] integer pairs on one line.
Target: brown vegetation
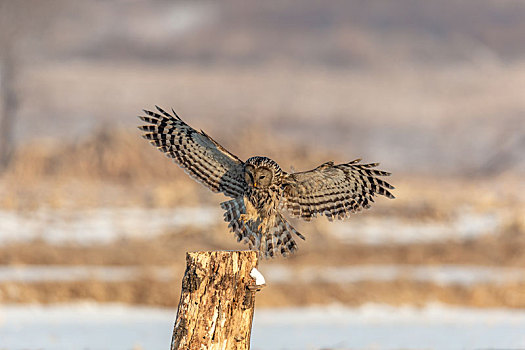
{"points": [[159, 293], [116, 168]]}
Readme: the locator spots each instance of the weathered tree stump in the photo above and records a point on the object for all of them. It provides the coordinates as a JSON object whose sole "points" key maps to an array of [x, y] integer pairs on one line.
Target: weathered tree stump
{"points": [[217, 301]]}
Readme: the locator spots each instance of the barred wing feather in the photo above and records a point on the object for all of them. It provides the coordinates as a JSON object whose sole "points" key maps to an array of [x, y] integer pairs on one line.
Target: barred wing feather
{"points": [[197, 153], [333, 190]]}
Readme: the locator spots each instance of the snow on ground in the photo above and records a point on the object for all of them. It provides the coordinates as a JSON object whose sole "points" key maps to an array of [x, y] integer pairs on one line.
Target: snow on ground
{"points": [[439, 274], [53, 273], [372, 326], [274, 274], [104, 225], [370, 230]]}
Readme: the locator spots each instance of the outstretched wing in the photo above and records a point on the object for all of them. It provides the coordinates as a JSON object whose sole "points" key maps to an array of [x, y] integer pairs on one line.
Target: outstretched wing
{"points": [[333, 190], [198, 154]]}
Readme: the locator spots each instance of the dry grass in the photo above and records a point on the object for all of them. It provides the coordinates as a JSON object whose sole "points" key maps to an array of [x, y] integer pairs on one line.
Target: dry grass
{"points": [[117, 168], [114, 167], [504, 249], [319, 249], [441, 118], [157, 293]]}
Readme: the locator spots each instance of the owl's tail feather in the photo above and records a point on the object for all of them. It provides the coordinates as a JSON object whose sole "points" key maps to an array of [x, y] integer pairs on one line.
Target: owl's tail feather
{"points": [[279, 239], [271, 236]]}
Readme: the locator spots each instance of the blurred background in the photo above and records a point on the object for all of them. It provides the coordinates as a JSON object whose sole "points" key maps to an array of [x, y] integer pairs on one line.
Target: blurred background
{"points": [[95, 223]]}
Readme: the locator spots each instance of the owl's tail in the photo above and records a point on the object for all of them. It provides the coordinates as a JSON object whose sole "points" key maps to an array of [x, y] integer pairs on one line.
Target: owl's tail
{"points": [[270, 236]]}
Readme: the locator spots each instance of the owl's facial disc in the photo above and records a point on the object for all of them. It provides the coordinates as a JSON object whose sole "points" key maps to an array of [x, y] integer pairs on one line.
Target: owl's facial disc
{"points": [[263, 177]]}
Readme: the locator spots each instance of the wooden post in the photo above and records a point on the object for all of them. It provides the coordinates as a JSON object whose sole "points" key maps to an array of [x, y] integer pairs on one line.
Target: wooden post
{"points": [[217, 301]]}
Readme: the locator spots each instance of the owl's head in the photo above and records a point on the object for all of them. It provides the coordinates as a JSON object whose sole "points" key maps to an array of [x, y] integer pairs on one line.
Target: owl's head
{"points": [[261, 172]]}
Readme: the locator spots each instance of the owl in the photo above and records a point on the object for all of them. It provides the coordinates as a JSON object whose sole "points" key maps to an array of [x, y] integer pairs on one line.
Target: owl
{"points": [[260, 189]]}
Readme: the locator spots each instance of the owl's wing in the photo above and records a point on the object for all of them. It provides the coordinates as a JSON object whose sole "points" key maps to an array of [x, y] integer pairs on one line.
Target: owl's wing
{"points": [[333, 190], [198, 154]]}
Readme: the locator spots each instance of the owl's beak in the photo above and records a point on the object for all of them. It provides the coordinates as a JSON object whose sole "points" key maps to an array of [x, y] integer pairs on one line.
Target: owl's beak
{"points": [[254, 184]]}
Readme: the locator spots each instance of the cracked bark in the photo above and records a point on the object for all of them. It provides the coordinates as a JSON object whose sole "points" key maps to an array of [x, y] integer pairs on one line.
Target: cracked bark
{"points": [[216, 305]]}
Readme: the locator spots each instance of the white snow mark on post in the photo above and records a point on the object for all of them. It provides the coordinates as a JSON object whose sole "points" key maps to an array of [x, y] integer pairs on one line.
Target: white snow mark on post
{"points": [[259, 278]]}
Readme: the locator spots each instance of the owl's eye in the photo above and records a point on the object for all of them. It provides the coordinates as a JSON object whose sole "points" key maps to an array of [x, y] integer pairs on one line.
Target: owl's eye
{"points": [[262, 177]]}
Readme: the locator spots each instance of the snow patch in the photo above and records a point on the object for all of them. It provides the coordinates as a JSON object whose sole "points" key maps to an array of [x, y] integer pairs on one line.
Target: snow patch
{"points": [[102, 225], [259, 278], [117, 326], [43, 273], [439, 274], [371, 230]]}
